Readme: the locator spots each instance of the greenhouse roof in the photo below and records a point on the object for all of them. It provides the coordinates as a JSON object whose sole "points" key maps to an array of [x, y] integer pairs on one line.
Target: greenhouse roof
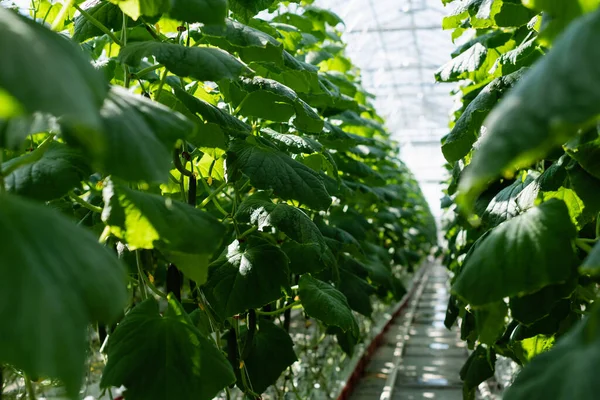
{"points": [[399, 45]]}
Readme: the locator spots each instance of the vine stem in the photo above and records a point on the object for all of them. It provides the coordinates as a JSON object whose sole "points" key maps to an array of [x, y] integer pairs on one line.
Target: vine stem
{"points": [[280, 310], [213, 194], [146, 70], [97, 24], [84, 203], [28, 158], [62, 14], [30, 389], [163, 78], [126, 76], [141, 280]]}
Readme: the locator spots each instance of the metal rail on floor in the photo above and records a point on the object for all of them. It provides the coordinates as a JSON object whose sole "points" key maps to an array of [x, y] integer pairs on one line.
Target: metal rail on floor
{"points": [[415, 356]]}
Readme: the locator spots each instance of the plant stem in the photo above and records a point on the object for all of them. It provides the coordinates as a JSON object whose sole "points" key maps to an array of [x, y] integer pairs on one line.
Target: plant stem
{"points": [[29, 388], [84, 203], [163, 78], [141, 280], [247, 232], [280, 310], [61, 14], [146, 70], [583, 245], [28, 158], [98, 24], [126, 76], [213, 194]]}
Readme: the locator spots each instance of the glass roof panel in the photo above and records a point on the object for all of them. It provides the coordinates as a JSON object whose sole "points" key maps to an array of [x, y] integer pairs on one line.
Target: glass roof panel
{"points": [[398, 45]]}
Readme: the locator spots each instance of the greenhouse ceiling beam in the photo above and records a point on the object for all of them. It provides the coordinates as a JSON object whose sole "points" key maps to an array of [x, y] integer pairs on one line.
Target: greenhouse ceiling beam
{"points": [[401, 67], [396, 29]]}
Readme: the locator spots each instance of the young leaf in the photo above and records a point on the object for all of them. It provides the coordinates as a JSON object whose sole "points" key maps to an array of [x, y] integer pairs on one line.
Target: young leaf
{"points": [[147, 221], [138, 8], [52, 270], [162, 357], [67, 86], [202, 63], [520, 256], [269, 168], [208, 12], [108, 14], [566, 371], [271, 353], [59, 170], [248, 275], [325, 303]]}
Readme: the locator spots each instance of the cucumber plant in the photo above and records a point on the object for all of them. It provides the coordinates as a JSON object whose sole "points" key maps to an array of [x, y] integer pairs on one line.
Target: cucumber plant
{"points": [[177, 176], [523, 192]]}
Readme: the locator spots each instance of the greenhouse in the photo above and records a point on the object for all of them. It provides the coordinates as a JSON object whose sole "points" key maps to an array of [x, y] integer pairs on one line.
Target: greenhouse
{"points": [[304, 199]]}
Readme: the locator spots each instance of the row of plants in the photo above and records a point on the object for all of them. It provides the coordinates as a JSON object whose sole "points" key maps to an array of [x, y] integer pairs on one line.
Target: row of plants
{"points": [[523, 193], [178, 180]]}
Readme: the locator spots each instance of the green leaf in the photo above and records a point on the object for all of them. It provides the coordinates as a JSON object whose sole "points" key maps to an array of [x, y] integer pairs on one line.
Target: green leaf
{"points": [[504, 205], [212, 114], [208, 12], [59, 170], [466, 130], [248, 275], [67, 86], [55, 279], [479, 367], [14, 130], [162, 357], [520, 256], [591, 265], [260, 211], [251, 44], [202, 63], [357, 292], [490, 322], [558, 14], [469, 61], [546, 107], [271, 354], [297, 144], [138, 8], [269, 99], [565, 372], [140, 135], [108, 14], [533, 307], [269, 168], [247, 9], [147, 221], [327, 304], [574, 204]]}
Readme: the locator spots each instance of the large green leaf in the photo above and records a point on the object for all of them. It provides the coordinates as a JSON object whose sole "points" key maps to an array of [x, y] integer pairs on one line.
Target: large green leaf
{"points": [[269, 99], [533, 307], [271, 353], [546, 107], [520, 256], [59, 170], [164, 357], [108, 14], [357, 292], [138, 8], [591, 265], [54, 280], [327, 304], [479, 367], [247, 9], [251, 44], [469, 61], [504, 205], [247, 275], [269, 168], [67, 86], [466, 130], [202, 63], [558, 14], [208, 12], [14, 130], [187, 235], [140, 135], [565, 372]]}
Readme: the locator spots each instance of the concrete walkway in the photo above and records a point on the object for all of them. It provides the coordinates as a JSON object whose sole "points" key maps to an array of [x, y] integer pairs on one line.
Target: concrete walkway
{"points": [[419, 357]]}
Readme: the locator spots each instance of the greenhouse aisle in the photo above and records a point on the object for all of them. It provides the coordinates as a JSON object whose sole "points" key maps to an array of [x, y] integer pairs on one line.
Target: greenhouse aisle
{"points": [[419, 358]]}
